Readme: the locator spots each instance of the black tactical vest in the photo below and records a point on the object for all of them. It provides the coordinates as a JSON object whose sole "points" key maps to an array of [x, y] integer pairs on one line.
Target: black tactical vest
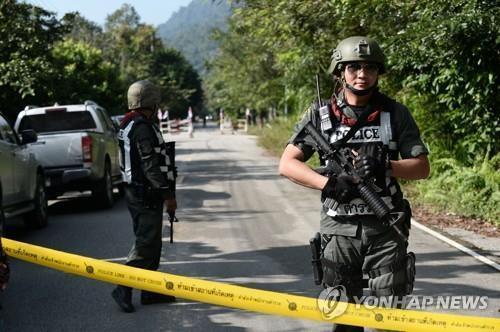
{"points": [[130, 162]]}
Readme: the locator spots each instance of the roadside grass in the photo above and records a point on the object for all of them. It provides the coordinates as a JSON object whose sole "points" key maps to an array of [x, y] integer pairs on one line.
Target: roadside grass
{"points": [[452, 187], [274, 137], [468, 191]]}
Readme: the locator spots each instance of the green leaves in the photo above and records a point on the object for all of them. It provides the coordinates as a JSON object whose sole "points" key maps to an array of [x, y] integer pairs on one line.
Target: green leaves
{"points": [[26, 33], [82, 73], [43, 60]]}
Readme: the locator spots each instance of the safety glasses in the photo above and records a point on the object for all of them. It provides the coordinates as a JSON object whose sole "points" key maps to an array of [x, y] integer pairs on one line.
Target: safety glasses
{"points": [[368, 68]]}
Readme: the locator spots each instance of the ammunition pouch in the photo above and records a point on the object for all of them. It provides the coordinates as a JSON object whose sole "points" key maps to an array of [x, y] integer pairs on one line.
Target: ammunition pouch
{"points": [[153, 198], [150, 197]]}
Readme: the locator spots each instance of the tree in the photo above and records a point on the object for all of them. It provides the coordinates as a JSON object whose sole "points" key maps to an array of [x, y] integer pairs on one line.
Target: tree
{"points": [[450, 62], [81, 29], [26, 35], [83, 74], [244, 74], [179, 81], [123, 40]]}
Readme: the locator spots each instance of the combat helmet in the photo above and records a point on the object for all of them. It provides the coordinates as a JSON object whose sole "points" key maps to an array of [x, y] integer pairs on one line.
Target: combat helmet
{"points": [[143, 94], [357, 48]]}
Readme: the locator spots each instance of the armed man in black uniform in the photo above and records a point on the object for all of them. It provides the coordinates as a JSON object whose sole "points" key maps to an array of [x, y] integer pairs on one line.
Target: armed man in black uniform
{"points": [[383, 146], [148, 174]]}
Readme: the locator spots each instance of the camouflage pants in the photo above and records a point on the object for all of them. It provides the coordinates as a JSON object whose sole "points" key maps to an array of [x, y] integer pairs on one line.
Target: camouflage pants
{"points": [[347, 258]]}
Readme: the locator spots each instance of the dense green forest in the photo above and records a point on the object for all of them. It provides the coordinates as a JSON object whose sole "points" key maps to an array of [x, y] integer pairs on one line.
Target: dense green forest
{"points": [[189, 30], [442, 58], [45, 60]]}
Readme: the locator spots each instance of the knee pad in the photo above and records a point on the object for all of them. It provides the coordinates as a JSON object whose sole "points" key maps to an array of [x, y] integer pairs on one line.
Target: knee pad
{"points": [[394, 279]]}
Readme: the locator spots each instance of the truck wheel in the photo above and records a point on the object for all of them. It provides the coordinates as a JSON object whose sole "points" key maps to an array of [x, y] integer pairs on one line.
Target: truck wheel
{"points": [[38, 218], [103, 192]]}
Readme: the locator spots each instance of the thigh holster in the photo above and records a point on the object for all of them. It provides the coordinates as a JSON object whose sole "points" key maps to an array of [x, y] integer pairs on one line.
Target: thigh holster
{"points": [[335, 274]]}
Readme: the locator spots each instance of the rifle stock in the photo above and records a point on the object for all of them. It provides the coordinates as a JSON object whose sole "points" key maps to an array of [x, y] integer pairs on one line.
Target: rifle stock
{"points": [[171, 215]]}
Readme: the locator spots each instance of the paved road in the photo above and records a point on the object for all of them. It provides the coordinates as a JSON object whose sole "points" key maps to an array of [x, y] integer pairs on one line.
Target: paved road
{"points": [[240, 223]]}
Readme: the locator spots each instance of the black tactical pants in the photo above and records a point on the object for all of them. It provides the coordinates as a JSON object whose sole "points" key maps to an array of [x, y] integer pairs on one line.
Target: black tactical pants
{"points": [[147, 218], [347, 258]]}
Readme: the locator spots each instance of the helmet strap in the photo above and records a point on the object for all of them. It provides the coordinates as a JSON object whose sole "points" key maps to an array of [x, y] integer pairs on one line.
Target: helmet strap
{"points": [[359, 92]]}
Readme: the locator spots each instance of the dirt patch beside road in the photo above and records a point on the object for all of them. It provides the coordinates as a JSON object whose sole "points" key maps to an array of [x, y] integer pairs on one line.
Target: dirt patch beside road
{"points": [[476, 234], [427, 216]]}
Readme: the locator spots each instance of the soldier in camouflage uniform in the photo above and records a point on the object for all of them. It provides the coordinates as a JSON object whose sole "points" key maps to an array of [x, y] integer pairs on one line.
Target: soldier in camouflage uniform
{"points": [[386, 147]]}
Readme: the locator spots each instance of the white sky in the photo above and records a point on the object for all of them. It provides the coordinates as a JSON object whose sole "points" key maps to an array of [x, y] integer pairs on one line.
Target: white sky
{"points": [[151, 11]]}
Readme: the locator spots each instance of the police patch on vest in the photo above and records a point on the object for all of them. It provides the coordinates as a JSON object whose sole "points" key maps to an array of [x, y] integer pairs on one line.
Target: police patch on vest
{"points": [[363, 135], [356, 207]]}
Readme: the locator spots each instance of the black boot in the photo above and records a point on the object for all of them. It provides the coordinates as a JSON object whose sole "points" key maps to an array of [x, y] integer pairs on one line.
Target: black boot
{"points": [[153, 298], [123, 297]]}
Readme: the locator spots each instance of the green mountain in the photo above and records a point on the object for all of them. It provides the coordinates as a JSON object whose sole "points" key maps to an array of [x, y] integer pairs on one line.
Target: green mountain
{"points": [[188, 30]]}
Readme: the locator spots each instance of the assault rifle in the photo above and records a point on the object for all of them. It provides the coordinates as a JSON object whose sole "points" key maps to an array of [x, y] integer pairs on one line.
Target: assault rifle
{"points": [[343, 159], [171, 216]]}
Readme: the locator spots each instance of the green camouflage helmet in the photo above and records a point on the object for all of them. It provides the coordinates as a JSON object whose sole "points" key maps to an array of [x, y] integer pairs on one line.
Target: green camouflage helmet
{"points": [[143, 94], [355, 49]]}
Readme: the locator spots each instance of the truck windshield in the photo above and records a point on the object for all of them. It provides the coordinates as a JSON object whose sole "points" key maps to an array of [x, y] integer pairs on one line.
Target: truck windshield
{"points": [[58, 121]]}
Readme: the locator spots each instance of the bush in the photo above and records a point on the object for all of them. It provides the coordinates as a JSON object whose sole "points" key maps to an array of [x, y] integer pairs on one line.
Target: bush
{"points": [[468, 191]]}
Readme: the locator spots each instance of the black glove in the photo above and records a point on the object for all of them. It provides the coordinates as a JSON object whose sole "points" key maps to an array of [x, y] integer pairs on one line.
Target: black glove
{"points": [[368, 164], [341, 188]]}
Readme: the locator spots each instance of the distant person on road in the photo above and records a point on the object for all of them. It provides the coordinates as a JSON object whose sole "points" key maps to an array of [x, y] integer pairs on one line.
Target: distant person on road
{"points": [[190, 118], [385, 146], [248, 118], [145, 163]]}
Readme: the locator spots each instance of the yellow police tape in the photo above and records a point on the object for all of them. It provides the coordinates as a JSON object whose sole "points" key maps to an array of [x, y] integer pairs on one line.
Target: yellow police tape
{"points": [[245, 298]]}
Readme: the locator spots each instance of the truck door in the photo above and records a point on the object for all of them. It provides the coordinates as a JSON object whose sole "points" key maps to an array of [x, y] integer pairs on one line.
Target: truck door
{"points": [[7, 157], [111, 139]]}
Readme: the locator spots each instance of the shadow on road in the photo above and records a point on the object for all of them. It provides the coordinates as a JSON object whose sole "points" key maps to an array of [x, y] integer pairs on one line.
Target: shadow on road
{"points": [[194, 198], [204, 171], [181, 151]]}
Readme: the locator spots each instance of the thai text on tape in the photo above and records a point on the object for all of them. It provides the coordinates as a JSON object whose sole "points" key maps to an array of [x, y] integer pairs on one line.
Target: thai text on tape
{"points": [[242, 297]]}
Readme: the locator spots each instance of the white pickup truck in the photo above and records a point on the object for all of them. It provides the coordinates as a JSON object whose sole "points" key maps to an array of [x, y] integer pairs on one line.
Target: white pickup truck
{"points": [[77, 147], [22, 181]]}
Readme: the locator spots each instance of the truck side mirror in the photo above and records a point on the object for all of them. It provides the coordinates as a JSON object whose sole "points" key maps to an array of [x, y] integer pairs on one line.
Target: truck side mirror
{"points": [[28, 136]]}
